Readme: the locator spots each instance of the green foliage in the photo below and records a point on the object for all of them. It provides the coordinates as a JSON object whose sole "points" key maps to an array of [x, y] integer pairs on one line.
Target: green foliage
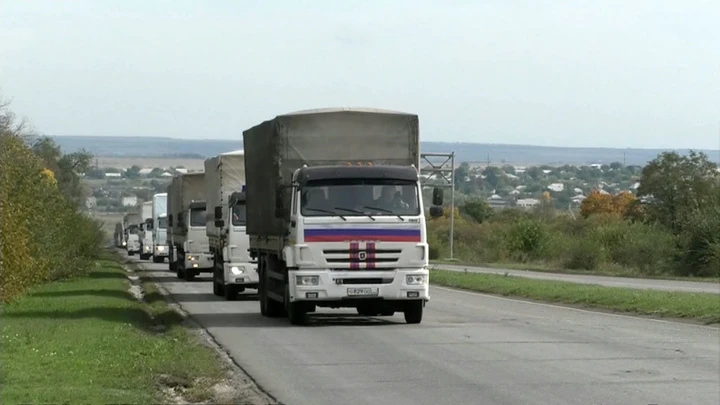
{"points": [[477, 209], [43, 235], [674, 228], [679, 186], [600, 242]]}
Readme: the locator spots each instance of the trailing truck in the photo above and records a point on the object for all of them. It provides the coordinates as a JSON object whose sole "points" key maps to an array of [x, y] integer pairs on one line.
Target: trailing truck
{"points": [[159, 227], [146, 240], [234, 269], [187, 240], [131, 224], [335, 216], [119, 235]]}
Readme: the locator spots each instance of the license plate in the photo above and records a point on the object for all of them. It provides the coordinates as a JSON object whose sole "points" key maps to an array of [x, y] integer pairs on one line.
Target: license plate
{"points": [[362, 291]]}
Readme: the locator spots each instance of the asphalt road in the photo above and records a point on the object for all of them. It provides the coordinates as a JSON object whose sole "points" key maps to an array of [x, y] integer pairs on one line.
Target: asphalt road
{"points": [[625, 282], [470, 349]]}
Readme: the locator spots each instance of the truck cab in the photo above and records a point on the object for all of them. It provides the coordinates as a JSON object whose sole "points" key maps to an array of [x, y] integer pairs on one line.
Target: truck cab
{"points": [[146, 240], [235, 270], [132, 239], [192, 251], [356, 237], [159, 238]]}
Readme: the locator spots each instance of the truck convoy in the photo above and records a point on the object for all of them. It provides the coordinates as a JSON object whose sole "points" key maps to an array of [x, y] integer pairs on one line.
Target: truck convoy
{"points": [[187, 241], [334, 213], [146, 241], [159, 227], [131, 223], [234, 270]]}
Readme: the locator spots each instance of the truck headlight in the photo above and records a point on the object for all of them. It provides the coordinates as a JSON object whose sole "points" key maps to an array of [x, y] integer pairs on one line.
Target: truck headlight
{"points": [[306, 280], [124, 243], [415, 279], [236, 270], [160, 248]]}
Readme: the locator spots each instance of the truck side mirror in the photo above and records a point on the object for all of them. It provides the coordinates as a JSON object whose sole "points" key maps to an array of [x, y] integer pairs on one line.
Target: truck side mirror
{"points": [[218, 212], [436, 212], [437, 198], [279, 202], [219, 223]]}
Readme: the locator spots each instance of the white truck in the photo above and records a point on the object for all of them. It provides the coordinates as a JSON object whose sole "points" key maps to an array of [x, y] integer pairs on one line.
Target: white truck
{"points": [[159, 227], [187, 240], [335, 214], [234, 269], [131, 224], [119, 235], [146, 240]]}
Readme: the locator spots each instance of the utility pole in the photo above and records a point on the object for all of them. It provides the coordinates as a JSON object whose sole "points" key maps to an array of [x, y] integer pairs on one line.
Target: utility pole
{"points": [[446, 175]]}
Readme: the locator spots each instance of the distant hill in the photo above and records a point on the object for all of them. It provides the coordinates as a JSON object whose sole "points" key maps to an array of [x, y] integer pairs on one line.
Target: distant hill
{"points": [[464, 152]]}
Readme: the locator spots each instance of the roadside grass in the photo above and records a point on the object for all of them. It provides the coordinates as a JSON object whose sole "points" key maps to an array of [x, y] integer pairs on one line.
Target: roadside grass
{"points": [[606, 270], [88, 340], [702, 307]]}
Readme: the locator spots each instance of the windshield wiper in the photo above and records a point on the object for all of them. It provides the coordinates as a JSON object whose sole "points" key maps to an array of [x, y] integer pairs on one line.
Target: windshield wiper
{"points": [[326, 211], [355, 211], [383, 210]]}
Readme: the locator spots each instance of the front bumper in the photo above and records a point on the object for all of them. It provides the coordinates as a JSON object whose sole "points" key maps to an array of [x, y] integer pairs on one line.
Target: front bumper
{"points": [[133, 247], [199, 261], [338, 285], [146, 249], [160, 251], [241, 273]]}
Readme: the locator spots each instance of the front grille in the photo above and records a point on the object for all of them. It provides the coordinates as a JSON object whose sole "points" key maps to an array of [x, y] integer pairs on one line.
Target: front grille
{"points": [[367, 258], [368, 280]]}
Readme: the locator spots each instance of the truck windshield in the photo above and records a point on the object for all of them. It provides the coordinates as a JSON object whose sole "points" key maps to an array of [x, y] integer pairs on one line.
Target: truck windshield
{"points": [[197, 217], [133, 229], [360, 198], [162, 223], [239, 211]]}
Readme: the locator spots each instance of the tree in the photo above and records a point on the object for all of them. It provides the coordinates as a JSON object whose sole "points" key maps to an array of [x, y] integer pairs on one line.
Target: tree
{"points": [[65, 166], [133, 172], [622, 203], [596, 203], [678, 186], [477, 209]]}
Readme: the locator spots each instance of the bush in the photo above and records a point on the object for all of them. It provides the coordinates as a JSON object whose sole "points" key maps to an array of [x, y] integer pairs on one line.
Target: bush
{"points": [[43, 234], [605, 240]]}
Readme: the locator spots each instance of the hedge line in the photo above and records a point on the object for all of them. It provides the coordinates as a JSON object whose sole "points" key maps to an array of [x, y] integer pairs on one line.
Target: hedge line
{"points": [[43, 234], [604, 241]]}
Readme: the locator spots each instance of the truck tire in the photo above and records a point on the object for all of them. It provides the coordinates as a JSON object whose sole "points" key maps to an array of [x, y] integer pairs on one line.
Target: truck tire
{"points": [[414, 311], [218, 289], [268, 307], [297, 312], [158, 259], [231, 292], [218, 278]]}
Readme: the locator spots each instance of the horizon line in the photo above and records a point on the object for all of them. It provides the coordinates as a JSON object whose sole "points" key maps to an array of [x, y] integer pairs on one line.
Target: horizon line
{"points": [[427, 141]]}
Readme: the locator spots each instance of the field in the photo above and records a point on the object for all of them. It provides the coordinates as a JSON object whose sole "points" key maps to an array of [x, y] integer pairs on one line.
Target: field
{"points": [[126, 162]]}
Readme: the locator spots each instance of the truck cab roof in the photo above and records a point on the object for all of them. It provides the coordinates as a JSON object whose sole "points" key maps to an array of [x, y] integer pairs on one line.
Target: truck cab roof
{"points": [[314, 173]]}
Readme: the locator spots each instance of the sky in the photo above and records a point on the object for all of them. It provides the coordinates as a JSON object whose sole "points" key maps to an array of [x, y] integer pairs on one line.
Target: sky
{"points": [[610, 73]]}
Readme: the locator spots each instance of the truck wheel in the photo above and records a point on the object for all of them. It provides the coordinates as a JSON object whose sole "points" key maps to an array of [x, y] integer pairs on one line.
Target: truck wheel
{"points": [[189, 274], [218, 289], [231, 292], [414, 311], [296, 310], [268, 306]]}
